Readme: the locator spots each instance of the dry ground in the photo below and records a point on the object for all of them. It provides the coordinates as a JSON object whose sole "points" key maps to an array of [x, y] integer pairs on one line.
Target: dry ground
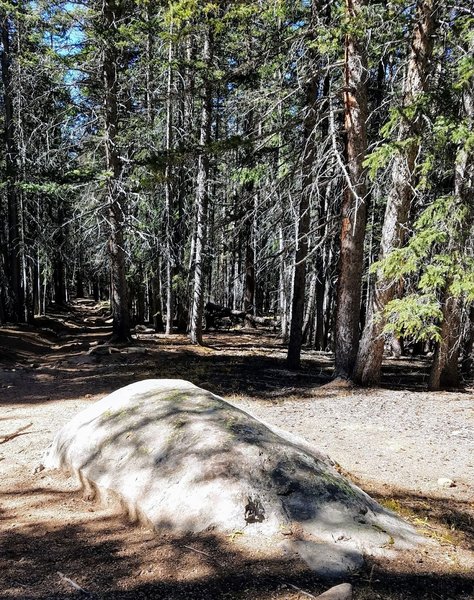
{"points": [[394, 442]]}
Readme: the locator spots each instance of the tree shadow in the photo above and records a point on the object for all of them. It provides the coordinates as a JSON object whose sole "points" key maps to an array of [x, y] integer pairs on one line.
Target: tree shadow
{"points": [[113, 560], [169, 436], [264, 377], [236, 362], [446, 519]]}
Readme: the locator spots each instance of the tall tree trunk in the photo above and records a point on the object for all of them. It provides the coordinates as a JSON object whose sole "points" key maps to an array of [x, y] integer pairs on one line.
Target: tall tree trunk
{"points": [[468, 344], [248, 231], [445, 368], [249, 276], [15, 309], [369, 359], [322, 263], [184, 122], [200, 256], [283, 284], [59, 274], [169, 192], [80, 274], [115, 194], [26, 295], [304, 220], [319, 308], [249, 299], [140, 296], [354, 208], [309, 318], [156, 303], [304, 212]]}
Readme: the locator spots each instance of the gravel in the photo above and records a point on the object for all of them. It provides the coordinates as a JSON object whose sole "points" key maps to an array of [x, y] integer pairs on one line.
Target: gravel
{"points": [[407, 440]]}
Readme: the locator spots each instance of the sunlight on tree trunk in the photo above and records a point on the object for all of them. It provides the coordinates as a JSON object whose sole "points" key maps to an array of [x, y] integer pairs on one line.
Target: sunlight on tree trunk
{"points": [[369, 360], [200, 256], [354, 207]]}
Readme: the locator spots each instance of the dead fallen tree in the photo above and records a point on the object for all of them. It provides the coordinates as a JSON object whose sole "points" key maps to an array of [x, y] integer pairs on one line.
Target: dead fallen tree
{"points": [[218, 316]]}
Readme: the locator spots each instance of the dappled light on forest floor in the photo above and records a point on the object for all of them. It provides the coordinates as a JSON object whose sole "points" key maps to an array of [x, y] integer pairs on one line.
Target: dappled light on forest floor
{"points": [[236, 362], [113, 559], [47, 376], [447, 520]]}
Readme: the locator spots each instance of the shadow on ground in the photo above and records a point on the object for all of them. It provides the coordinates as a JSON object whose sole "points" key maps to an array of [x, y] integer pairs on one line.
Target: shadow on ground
{"points": [[114, 560], [445, 519], [239, 362]]}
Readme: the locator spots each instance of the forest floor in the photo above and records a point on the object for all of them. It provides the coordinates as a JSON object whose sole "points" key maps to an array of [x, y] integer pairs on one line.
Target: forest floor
{"points": [[395, 442]]}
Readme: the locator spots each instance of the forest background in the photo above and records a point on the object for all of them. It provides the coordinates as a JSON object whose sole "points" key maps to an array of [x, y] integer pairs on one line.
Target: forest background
{"points": [[305, 161]]}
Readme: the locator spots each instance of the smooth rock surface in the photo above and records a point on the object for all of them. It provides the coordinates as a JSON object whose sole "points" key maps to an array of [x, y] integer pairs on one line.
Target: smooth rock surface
{"points": [[338, 592], [189, 461]]}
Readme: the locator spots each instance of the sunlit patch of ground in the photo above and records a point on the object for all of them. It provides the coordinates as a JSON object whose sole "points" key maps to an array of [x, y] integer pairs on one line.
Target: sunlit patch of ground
{"points": [[383, 437]]}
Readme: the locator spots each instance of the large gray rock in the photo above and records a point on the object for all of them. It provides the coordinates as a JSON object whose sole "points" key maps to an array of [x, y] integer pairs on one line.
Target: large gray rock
{"points": [[188, 461]]}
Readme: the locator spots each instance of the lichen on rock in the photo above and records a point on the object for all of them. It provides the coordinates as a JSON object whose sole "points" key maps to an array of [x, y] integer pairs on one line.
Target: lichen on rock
{"points": [[189, 461]]}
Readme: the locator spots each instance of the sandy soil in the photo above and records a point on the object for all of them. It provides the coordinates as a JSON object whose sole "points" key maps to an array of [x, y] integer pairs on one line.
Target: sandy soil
{"points": [[407, 440], [396, 443]]}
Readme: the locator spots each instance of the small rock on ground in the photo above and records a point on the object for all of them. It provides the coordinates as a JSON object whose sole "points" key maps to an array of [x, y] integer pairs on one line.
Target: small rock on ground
{"points": [[338, 592], [445, 482]]}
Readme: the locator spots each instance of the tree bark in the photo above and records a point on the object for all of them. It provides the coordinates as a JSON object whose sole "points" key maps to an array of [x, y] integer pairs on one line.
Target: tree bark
{"points": [[156, 303], [115, 194], [445, 368], [354, 208], [304, 211], [249, 278], [200, 256], [15, 308], [370, 355], [169, 193], [59, 272], [283, 284], [309, 319], [184, 122], [248, 233], [468, 344]]}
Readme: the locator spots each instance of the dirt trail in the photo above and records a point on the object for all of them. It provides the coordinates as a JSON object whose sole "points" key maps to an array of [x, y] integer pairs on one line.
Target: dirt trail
{"points": [[396, 444]]}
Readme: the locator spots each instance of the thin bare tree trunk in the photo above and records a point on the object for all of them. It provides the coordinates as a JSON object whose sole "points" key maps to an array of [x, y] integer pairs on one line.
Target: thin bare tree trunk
{"points": [[115, 196], [304, 210], [354, 208], [369, 359], [282, 285], [59, 273], [304, 219], [169, 193], [249, 277], [248, 230], [15, 309], [309, 318], [200, 251]]}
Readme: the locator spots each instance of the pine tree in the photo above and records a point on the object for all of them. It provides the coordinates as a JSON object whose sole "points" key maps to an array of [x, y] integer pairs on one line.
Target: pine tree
{"points": [[354, 206], [369, 359]]}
